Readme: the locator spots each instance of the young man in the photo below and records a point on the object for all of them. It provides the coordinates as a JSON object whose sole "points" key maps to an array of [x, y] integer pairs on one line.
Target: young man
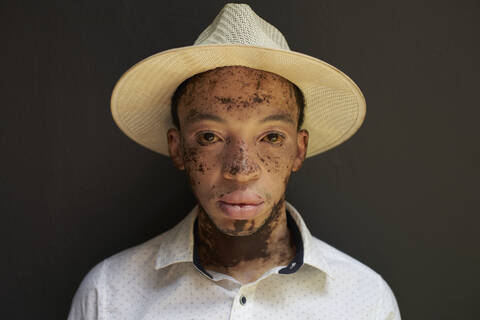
{"points": [[232, 110]]}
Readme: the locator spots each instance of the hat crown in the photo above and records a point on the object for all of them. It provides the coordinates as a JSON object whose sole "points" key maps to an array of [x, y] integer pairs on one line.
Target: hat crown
{"points": [[239, 24]]}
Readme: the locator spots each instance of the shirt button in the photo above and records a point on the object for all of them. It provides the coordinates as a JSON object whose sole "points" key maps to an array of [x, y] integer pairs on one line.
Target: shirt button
{"points": [[243, 300]]}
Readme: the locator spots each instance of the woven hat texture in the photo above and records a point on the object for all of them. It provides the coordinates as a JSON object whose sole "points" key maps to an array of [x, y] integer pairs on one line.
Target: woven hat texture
{"points": [[140, 103]]}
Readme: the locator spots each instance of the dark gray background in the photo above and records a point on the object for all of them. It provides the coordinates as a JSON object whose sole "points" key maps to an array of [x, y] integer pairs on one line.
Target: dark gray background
{"points": [[400, 196]]}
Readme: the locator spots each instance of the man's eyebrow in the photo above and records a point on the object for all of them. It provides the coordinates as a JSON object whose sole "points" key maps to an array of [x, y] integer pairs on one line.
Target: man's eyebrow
{"points": [[198, 116], [278, 117]]}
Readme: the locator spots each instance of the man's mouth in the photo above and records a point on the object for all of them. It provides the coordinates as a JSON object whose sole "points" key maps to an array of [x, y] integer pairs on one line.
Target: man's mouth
{"points": [[241, 204], [242, 197]]}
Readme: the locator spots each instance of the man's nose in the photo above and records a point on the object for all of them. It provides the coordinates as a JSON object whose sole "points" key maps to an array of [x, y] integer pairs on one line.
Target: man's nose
{"points": [[239, 165]]}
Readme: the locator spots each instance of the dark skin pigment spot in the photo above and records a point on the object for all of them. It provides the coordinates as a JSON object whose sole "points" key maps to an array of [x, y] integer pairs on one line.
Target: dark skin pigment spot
{"points": [[257, 99], [224, 100], [201, 168]]}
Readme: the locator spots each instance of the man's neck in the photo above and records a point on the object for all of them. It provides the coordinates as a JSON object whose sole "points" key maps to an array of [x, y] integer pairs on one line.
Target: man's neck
{"points": [[246, 258]]}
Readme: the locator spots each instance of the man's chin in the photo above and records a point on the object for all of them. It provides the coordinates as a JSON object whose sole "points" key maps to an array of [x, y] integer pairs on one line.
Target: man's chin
{"points": [[244, 227], [238, 227]]}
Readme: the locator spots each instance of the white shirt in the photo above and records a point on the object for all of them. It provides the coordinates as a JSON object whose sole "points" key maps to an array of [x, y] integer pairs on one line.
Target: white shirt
{"points": [[161, 279]]}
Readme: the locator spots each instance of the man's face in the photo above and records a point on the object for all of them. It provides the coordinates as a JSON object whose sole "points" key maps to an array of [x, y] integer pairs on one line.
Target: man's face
{"points": [[238, 144]]}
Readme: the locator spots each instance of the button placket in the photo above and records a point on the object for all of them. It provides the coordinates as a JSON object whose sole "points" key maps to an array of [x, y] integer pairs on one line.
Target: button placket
{"points": [[246, 295]]}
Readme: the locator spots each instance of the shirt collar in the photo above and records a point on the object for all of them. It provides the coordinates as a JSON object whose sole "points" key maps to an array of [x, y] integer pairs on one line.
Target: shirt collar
{"points": [[313, 253], [178, 245]]}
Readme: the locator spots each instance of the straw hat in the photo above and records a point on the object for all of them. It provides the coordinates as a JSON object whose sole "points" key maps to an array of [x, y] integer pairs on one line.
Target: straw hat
{"points": [[140, 103]]}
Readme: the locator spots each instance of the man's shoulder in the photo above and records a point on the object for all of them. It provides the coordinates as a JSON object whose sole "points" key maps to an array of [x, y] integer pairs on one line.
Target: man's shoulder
{"points": [[132, 269], [358, 280], [342, 264], [170, 246], [143, 254]]}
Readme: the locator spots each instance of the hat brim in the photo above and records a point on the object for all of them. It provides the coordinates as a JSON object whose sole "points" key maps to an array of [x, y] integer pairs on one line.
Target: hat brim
{"points": [[140, 103]]}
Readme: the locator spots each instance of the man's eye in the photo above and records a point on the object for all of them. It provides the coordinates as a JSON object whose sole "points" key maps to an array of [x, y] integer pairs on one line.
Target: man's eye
{"points": [[207, 138], [273, 138]]}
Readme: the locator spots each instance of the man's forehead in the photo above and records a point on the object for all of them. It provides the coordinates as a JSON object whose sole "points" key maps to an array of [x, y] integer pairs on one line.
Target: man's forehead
{"points": [[236, 88], [238, 78]]}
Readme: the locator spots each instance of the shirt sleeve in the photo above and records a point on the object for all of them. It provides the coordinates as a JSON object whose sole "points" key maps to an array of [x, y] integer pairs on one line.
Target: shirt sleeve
{"points": [[387, 308], [87, 303]]}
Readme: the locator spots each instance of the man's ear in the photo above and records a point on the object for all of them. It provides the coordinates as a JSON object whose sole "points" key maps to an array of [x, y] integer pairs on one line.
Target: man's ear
{"points": [[175, 148], [302, 144]]}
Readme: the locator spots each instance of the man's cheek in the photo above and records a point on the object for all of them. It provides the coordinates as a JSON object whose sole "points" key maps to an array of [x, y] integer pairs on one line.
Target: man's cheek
{"points": [[196, 161], [276, 160], [202, 171], [269, 160]]}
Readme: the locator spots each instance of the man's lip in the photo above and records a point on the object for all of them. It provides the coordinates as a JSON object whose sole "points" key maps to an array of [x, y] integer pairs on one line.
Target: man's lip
{"points": [[241, 204], [242, 197]]}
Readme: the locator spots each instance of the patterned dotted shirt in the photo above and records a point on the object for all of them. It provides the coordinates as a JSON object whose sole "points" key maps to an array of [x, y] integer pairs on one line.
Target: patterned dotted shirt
{"points": [[162, 279]]}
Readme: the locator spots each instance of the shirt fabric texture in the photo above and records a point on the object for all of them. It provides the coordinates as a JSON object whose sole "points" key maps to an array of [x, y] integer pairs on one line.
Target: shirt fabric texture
{"points": [[162, 279]]}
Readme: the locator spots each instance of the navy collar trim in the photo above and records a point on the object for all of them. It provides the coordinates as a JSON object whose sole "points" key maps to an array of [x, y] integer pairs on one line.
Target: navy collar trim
{"points": [[297, 261], [196, 258]]}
